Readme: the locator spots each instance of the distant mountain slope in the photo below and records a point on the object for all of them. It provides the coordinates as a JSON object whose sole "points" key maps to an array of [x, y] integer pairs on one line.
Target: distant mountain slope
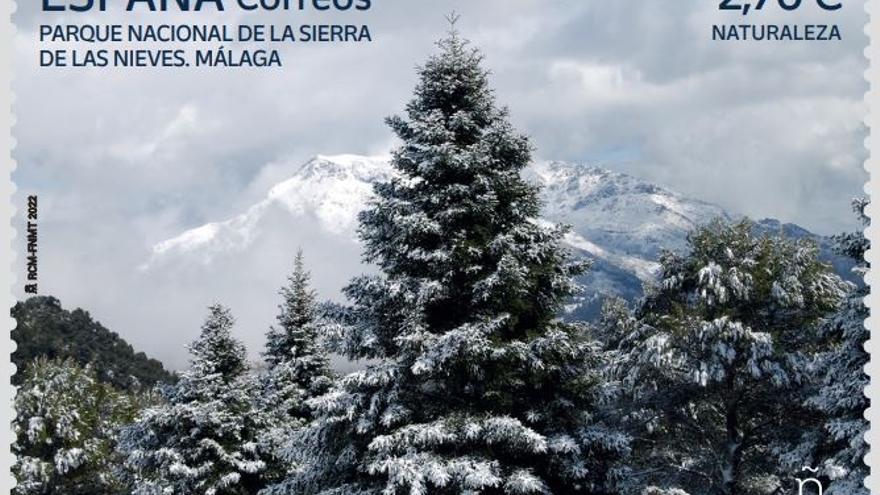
{"points": [[326, 193], [619, 221], [46, 329]]}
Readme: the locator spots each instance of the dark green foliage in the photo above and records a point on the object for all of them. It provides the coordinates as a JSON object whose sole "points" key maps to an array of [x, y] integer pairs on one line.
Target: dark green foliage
{"points": [[65, 428], [717, 358], [295, 360], [477, 387], [840, 398], [297, 368], [46, 329], [203, 438]]}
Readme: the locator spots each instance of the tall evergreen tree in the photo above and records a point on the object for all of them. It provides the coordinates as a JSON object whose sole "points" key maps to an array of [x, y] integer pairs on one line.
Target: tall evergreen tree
{"points": [[65, 424], [477, 386], [717, 358], [298, 369], [204, 438], [296, 362], [841, 396]]}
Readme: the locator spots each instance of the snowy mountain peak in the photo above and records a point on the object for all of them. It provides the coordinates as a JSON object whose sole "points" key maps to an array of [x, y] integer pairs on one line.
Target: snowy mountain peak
{"points": [[334, 167], [590, 180], [619, 221], [332, 188], [617, 211], [328, 190]]}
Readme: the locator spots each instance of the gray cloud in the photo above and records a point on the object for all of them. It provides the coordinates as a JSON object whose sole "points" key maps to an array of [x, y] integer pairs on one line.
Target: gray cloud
{"points": [[124, 159]]}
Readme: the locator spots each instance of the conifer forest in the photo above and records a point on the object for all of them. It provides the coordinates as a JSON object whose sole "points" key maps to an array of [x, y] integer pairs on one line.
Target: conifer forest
{"points": [[741, 365]]}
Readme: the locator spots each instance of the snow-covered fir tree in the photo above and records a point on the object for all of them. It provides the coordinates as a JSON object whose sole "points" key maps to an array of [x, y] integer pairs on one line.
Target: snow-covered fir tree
{"points": [[64, 427], [841, 397], [717, 359], [203, 439], [298, 368], [476, 386], [616, 322]]}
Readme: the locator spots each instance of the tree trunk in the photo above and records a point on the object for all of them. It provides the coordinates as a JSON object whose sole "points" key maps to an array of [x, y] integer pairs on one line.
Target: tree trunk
{"points": [[732, 454]]}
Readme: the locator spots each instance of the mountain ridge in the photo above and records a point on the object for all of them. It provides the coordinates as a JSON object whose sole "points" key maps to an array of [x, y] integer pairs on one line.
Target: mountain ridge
{"points": [[620, 221], [45, 329]]}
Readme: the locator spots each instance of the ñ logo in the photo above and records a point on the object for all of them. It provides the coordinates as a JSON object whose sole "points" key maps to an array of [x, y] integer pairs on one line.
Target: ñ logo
{"points": [[809, 481]]}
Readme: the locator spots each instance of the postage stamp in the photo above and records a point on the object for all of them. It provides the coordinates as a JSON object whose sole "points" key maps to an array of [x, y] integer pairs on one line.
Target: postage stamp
{"points": [[389, 247]]}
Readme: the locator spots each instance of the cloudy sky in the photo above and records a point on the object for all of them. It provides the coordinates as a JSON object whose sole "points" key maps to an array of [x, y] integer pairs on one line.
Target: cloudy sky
{"points": [[124, 159]]}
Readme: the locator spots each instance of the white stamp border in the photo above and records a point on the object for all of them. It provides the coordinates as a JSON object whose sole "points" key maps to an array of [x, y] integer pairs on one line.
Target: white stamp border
{"points": [[7, 254], [872, 142]]}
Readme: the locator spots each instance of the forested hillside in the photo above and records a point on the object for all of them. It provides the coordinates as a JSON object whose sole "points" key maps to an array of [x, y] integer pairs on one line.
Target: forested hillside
{"points": [[46, 329]]}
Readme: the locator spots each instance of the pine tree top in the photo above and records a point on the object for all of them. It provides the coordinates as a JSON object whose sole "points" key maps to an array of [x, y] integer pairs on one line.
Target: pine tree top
{"points": [[298, 307], [474, 376], [294, 335], [461, 216], [216, 351]]}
